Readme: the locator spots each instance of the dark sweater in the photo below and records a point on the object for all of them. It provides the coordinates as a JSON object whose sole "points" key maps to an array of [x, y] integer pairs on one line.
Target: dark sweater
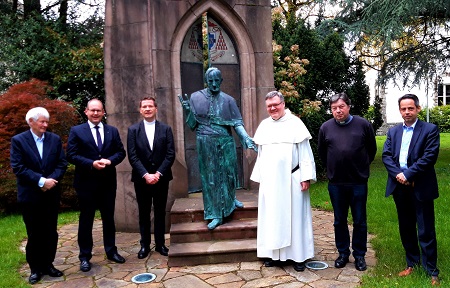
{"points": [[347, 150]]}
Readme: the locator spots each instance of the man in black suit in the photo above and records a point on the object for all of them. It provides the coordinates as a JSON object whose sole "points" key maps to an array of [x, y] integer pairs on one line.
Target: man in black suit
{"points": [[410, 153], [38, 160], [95, 149], [151, 153]]}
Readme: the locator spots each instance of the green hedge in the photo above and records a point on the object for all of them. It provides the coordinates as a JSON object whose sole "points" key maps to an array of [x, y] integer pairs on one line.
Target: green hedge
{"points": [[439, 115]]}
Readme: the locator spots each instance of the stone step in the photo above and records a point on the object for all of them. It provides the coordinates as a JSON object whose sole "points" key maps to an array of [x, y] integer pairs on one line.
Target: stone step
{"points": [[191, 209], [198, 231], [211, 252]]}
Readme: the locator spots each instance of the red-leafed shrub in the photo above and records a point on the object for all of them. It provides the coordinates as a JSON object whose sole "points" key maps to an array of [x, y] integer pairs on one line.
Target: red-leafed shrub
{"points": [[14, 104]]}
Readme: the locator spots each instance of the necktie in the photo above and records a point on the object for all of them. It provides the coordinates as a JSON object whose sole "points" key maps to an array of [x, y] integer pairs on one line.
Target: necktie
{"points": [[99, 138]]}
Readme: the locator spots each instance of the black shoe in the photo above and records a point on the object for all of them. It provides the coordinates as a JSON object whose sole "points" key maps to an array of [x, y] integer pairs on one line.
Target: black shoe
{"points": [[163, 250], [116, 258], [269, 263], [143, 253], [85, 266], [360, 263], [34, 277], [53, 272], [299, 266], [341, 261]]}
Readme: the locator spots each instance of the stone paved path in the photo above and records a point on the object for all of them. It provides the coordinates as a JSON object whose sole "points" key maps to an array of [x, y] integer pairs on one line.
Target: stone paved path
{"points": [[106, 274]]}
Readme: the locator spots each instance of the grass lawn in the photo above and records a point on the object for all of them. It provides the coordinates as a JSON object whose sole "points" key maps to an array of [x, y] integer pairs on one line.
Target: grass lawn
{"points": [[382, 222], [12, 232]]}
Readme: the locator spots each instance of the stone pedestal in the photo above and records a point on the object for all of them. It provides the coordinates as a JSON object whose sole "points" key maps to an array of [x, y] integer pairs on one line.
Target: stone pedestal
{"points": [[191, 243]]}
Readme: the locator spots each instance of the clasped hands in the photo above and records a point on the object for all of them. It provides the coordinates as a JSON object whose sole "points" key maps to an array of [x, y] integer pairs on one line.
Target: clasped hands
{"points": [[151, 178], [402, 179], [49, 184], [101, 164]]}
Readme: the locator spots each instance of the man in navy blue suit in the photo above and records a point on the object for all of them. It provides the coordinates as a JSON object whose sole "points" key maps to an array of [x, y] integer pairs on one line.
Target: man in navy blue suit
{"points": [[151, 152], [95, 149], [39, 163], [410, 153]]}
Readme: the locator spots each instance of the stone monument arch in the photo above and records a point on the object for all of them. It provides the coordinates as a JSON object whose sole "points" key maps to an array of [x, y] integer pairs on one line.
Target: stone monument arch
{"points": [[143, 46]]}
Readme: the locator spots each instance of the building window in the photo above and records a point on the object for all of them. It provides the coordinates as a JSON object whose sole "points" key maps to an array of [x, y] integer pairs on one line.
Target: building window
{"points": [[443, 94]]}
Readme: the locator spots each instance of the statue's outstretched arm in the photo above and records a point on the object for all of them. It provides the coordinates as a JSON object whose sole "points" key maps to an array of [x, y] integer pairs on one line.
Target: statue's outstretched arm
{"points": [[245, 139], [190, 118]]}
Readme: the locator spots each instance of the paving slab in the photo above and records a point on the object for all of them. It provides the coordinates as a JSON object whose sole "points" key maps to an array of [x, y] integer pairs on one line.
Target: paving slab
{"points": [[106, 274]]}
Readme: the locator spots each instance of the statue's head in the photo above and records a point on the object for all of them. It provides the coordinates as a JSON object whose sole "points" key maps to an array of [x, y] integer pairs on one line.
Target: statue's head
{"points": [[213, 78]]}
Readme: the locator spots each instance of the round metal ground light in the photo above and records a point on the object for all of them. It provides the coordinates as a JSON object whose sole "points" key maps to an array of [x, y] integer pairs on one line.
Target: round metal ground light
{"points": [[316, 265], [143, 278]]}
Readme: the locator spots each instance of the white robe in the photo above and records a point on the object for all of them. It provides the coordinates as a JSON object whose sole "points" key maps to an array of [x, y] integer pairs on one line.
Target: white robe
{"points": [[284, 211]]}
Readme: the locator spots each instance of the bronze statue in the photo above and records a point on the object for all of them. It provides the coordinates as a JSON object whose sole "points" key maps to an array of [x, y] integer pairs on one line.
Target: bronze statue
{"points": [[212, 114]]}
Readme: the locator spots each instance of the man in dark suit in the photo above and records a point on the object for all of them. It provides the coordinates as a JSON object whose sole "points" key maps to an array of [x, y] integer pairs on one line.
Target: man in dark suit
{"points": [[151, 153], [38, 160], [410, 153], [95, 149]]}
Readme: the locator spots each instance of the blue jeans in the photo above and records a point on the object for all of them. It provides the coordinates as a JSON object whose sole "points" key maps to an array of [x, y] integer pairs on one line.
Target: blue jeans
{"points": [[342, 197]]}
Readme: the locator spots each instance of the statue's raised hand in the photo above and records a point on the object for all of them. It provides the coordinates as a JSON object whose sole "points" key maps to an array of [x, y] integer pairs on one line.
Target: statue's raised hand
{"points": [[184, 102]]}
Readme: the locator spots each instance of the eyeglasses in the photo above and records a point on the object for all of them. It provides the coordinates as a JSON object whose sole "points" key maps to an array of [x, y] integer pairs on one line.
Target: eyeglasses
{"points": [[95, 110], [274, 105]]}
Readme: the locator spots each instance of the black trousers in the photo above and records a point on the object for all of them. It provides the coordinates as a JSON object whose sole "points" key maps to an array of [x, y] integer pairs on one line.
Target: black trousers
{"points": [[417, 229], [105, 201], [146, 195], [41, 219]]}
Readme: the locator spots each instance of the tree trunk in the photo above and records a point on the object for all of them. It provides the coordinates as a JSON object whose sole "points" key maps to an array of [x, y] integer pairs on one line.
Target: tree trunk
{"points": [[63, 12], [30, 7]]}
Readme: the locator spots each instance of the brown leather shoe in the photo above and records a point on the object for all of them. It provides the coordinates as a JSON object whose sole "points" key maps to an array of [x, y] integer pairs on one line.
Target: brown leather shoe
{"points": [[406, 272], [435, 281]]}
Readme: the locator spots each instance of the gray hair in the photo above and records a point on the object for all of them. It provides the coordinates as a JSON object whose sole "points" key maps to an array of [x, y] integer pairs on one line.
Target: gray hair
{"points": [[342, 96], [35, 113], [272, 94]]}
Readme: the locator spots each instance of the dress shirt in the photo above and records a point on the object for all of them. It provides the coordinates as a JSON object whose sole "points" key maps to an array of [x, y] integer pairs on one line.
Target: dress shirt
{"points": [[150, 131], [40, 146], [94, 131], [406, 140]]}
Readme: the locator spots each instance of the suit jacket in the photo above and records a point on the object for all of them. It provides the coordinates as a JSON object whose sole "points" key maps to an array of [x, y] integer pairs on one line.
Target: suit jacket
{"points": [[422, 155], [145, 160], [29, 167], [82, 151]]}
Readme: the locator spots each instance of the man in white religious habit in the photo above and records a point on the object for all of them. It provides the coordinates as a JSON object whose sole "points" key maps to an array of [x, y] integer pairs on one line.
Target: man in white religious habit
{"points": [[284, 168]]}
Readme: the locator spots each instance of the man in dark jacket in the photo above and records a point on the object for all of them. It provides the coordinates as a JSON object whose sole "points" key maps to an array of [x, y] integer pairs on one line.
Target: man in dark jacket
{"points": [[38, 160], [409, 155], [95, 149], [151, 152]]}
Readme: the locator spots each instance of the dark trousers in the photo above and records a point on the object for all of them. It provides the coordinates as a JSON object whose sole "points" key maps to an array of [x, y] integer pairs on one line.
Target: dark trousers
{"points": [[417, 228], [342, 198], [41, 219], [146, 195], [104, 200]]}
